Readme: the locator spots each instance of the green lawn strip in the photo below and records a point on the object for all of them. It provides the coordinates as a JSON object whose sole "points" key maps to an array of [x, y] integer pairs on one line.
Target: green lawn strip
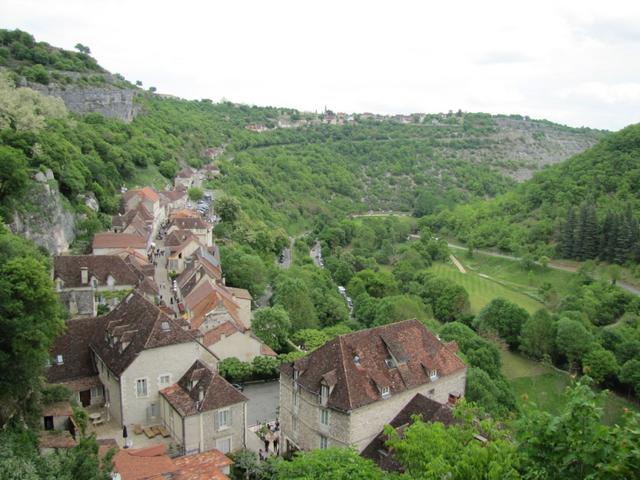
{"points": [[482, 290], [544, 386]]}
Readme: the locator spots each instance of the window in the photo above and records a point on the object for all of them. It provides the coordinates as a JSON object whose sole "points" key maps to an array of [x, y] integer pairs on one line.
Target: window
{"points": [[224, 444], [296, 401], [153, 410], [141, 387], [390, 362], [324, 417], [164, 380], [96, 392], [59, 360], [384, 391], [224, 419], [324, 394], [433, 375], [294, 424], [324, 442]]}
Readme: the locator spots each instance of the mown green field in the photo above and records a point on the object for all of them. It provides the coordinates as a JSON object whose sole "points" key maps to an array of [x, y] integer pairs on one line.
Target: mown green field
{"points": [[543, 385], [483, 290]]}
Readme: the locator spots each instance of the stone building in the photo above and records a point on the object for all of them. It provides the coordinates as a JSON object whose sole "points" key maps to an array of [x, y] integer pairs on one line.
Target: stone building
{"points": [[343, 393], [203, 411], [85, 281], [124, 358]]}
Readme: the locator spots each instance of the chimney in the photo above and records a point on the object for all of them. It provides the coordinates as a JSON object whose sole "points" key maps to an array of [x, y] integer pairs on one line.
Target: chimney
{"points": [[84, 275]]}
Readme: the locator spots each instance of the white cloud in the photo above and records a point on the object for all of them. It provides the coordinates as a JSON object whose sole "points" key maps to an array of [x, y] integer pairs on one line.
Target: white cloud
{"points": [[571, 62]]}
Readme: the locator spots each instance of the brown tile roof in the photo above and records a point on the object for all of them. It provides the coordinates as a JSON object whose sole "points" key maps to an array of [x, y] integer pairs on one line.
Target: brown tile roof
{"points": [[83, 383], [136, 325], [139, 211], [194, 273], [118, 240], [143, 463], [147, 193], [73, 345], [68, 269], [216, 391], [174, 195], [415, 349], [56, 439], [57, 409], [427, 409], [208, 296], [202, 466], [149, 287], [178, 238], [183, 213], [215, 334], [189, 223]]}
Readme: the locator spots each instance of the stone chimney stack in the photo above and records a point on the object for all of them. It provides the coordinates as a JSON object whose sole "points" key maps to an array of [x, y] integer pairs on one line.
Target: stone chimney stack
{"points": [[84, 275]]}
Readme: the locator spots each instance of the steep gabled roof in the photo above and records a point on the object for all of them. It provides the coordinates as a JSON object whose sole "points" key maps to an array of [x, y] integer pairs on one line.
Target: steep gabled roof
{"points": [[145, 193], [200, 379], [427, 409], [68, 268], [400, 356], [73, 345], [136, 325], [206, 297]]}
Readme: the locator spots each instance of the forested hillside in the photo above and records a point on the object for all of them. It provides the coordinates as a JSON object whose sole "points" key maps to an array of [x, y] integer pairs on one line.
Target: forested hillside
{"points": [[584, 208]]}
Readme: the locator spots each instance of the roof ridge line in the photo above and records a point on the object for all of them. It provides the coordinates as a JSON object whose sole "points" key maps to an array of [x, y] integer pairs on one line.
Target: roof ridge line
{"points": [[344, 368]]}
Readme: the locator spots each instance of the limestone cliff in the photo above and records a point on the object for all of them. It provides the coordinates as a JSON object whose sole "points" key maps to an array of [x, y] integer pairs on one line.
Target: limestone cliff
{"points": [[108, 99], [44, 216]]}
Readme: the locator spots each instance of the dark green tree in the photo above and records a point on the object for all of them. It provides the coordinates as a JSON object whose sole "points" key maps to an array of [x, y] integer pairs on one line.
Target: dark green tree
{"points": [[272, 326], [504, 318]]}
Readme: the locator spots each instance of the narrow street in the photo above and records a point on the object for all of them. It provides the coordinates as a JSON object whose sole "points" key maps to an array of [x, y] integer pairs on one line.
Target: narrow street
{"points": [[161, 277]]}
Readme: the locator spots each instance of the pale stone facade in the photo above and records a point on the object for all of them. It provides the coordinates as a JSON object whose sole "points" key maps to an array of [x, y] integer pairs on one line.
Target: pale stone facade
{"points": [[152, 366], [201, 432], [303, 428]]}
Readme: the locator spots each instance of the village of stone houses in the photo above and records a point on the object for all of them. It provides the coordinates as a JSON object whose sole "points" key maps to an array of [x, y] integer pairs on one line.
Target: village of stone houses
{"points": [[151, 319]]}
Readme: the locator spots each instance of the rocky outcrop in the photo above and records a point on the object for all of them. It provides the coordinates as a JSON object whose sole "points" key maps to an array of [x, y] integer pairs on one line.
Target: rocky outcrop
{"points": [[43, 216], [109, 100]]}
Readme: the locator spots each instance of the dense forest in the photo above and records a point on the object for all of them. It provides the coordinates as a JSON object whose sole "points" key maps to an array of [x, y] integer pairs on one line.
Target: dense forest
{"points": [[302, 184], [584, 208]]}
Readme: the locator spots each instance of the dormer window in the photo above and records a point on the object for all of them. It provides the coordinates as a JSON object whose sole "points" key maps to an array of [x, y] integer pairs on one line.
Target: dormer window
{"points": [[94, 282], [390, 362], [356, 359], [59, 360], [385, 392], [433, 375], [324, 394]]}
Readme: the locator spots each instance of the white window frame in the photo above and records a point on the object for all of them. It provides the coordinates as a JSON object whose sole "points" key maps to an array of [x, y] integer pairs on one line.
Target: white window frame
{"points": [[385, 392], [324, 442], [324, 394], [224, 439], [227, 416], [161, 384], [324, 417], [146, 387]]}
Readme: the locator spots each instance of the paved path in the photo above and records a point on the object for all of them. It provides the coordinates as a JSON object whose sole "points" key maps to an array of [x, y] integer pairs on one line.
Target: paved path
{"points": [[161, 277], [557, 266], [263, 401], [457, 264]]}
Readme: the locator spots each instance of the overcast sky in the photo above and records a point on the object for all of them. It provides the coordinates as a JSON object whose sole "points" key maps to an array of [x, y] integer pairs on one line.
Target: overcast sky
{"points": [[573, 62]]}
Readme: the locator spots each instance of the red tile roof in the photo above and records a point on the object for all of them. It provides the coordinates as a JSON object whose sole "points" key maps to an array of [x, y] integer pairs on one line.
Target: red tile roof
{"points": [[359, 362], [118, 240], [202, 466], [143, 463]]}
